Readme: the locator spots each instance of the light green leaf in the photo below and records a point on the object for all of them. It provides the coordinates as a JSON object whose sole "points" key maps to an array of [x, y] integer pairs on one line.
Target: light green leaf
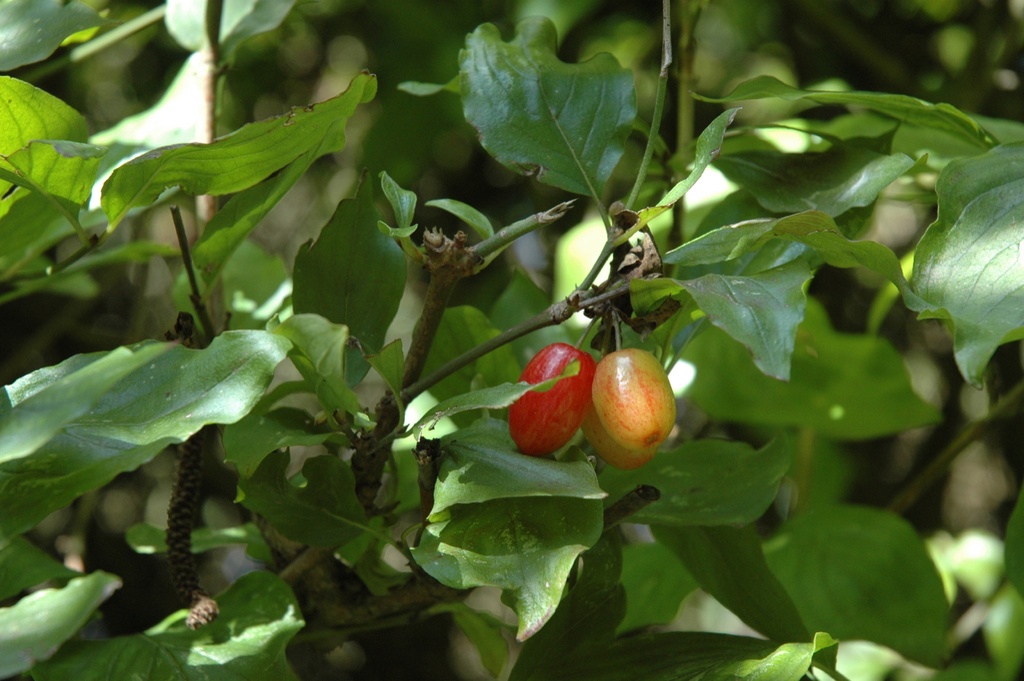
{"points": [[147, 539], [34, 628], [863, 573], [481, 464], [968, 264], [403, 203], [426, 89], [467, 213], [240, 19], [22, 566], [322, 512], [236, 161], [709, 143], [32, 30], [706, 482], [258, 616], [63, 172], [319, 355], [565, 123], [247, 442], [1015, 546]]}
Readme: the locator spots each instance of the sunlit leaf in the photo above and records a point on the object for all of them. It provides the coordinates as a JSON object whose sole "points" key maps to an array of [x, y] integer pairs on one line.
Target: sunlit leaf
{"points": [[146, 539]]}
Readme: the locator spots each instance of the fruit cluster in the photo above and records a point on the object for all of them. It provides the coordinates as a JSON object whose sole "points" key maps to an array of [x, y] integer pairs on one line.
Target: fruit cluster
{"points": [[624, 404]]}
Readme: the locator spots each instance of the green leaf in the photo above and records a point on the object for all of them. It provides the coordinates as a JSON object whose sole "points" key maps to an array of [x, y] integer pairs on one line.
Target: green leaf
{"points": [[729, 564], [706, 482], [656, 584], [161, 403], [1002, 630], [147, 539], [426, 89], [688, 655], [862, 573], [709, 144], [1015, 546], [485, 632], [940, 117], [352, 275], [258, 616], [403, 202], [481, 464], [236, 161], [833, 181], [22, 566], [32, 30], [565, 123], [322, 512], [41, 408], [524, 546], [846, 387], [497, 397], [247, 442], [32, 629], [390, 363], [255, 286], [520, 300], [319, 355], [468, 214], [240, 19], [968, 264]]}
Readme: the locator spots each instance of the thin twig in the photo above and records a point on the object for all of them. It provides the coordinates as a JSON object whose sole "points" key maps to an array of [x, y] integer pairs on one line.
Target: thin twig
{"points": [[186, 256], [639, 498]]}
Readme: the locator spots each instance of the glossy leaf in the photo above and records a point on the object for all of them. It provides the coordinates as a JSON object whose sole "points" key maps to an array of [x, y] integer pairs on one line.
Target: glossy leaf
{"points": [[164, 402], [247, 442], [847, 387], [968, 264], [940, 117], [467, 213], [32, 629], [834, 181], [836, 560], [524, 546], [318, 352], [564, 123], [236, 161], [706, 482], [32, 30], [352, 275], [258, 616], [148, 539], [22, 566], [322, 512], [729, 564], [481, 464]]}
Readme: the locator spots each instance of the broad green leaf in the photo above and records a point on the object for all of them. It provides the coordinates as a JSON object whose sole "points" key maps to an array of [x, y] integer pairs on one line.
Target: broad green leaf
{"points": [[258, 616], [565, 123], [147, 539], [485, 632], [32, 30], [22, 566], [63, 172], [586, 617], [729, 564], [255, 286], [524, 546], [159, 404], [941, 117], [761, 310], [1015, 546], [656, 584], [319, 355], [968, 670], [846, 387], [709, 144], [968, 264], [236, 161], [1002, 630], [479, 222], [833, 181], [39, 414], [389, 363], [862, 573], [322, 512], [247, 442], [680, 655], [31, 114], [30, 225], [481, 464], [352, 275], [32, 629], [706, 482], [240, 19]]}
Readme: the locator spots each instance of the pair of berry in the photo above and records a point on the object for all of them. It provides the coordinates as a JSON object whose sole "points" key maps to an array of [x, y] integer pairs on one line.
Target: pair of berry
{"points": [[624, 404]]}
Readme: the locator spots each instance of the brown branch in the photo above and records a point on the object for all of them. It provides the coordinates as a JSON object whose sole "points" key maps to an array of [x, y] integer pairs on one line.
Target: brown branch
{"points": [[641, 497]]}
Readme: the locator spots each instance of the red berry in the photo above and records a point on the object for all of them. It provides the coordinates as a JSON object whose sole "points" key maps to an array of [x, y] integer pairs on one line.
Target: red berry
{"points": [[539, 422]]}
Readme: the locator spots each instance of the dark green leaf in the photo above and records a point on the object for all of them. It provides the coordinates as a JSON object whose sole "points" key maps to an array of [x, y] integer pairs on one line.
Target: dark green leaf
{"points": [[258, 616], [352, 275], [22, 566], [968, 264], [247, 442], [656, 584], [146, 539], [864, 574], [389, 363], [485, 632], [32, 30], [32, 629], [520, 300], [468, 214], [706, 482], [322, 512], [525, 546], [481, 464], [1015, 546], [319, 355], [565, 123], [833, 181], [237, 161], [847, 387], [729, 564], [940, 117]]}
